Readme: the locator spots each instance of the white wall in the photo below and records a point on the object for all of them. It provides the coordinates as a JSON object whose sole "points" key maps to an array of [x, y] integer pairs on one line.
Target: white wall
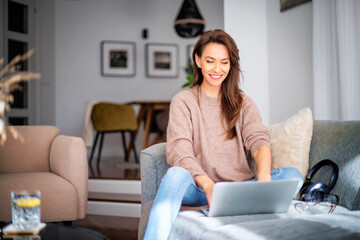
{"points": [[289, 59], [80, 26], [275, 52], [245, 21], [70, 36], [46, 60]]}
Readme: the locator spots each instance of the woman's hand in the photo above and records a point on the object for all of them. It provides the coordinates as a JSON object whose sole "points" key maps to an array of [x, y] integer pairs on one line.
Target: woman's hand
{"points": [[263, 163], [264, 178], [206, 184]]}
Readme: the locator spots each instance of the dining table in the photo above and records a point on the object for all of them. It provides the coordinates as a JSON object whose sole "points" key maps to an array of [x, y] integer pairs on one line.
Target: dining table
{"points": [[148, 109]]}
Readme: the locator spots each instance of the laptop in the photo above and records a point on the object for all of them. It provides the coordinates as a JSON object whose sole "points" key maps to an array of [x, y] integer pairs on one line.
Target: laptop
{"points": [[240, 198]]}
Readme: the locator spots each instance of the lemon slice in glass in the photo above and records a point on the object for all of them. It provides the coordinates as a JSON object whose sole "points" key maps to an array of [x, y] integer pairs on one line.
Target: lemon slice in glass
{"points": [[28, 202]]}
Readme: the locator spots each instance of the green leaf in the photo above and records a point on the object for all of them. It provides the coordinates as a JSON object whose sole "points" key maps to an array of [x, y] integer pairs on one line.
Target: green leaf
{"points": [[186, 85]]}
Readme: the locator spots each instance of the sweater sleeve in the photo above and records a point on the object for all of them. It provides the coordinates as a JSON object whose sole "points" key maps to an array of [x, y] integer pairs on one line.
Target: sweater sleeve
{"points": [[180, 147], [253, 131]]}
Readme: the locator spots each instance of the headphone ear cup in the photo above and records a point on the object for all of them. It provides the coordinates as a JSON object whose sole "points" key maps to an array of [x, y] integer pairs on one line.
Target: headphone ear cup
{"points": [[317, 187], [305, 187]]}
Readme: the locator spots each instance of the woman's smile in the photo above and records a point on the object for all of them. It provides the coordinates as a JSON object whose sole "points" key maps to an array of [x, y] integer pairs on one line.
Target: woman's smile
{"points": [[216, 77]]}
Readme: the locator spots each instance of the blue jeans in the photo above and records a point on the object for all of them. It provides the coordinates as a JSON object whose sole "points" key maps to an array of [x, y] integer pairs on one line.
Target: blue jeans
{"points": [[179, 188]]}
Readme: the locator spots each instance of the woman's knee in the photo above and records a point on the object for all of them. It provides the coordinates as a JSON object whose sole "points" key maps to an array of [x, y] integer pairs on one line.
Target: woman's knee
{"points": [[287, 173], [176, 174], [293, 172], [178, 171]]}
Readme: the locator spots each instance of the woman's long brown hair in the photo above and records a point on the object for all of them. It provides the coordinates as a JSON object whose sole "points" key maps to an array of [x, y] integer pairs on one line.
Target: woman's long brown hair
{"points": [[231, 95]]}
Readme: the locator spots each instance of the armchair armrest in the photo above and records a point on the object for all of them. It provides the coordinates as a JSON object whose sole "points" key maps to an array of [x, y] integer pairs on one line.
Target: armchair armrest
{"points": [[68, 159], [153, 168]]}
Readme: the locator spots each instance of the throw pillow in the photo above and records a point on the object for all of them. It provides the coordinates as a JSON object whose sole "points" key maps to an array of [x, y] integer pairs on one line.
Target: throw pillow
{"points": [[290, 141]]}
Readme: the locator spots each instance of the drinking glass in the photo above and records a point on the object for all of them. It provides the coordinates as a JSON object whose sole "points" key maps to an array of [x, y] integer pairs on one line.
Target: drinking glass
{"points": [[25, 209]]}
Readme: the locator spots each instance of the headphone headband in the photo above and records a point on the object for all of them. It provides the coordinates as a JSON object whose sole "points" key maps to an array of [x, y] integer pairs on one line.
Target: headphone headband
{"points": [[334, 177]]}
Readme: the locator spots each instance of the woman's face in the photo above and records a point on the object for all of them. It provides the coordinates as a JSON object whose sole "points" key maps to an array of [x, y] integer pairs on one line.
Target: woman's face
{"points": [[215, 66]]}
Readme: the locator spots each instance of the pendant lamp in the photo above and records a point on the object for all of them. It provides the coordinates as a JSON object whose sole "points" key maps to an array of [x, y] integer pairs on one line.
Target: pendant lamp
{"points": [[189, 22]]}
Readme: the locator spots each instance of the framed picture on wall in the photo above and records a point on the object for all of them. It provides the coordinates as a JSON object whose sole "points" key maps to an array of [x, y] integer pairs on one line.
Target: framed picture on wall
{"points": [[288, 4], [117, 59], [161, 60]]}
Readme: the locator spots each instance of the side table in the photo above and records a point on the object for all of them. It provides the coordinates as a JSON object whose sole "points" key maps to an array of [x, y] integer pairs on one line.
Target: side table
{"points": [[60, 232]]}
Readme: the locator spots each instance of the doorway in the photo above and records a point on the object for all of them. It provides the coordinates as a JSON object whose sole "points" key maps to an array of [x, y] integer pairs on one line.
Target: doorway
{"points": [[18, 37]]}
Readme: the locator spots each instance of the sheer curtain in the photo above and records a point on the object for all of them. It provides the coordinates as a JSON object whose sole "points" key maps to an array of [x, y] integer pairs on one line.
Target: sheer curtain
{"points": [[336, 59]]}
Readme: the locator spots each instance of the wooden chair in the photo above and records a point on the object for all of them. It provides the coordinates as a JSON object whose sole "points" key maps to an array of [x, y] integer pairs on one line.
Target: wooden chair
{"points": [[110, 118], [161, 120]]}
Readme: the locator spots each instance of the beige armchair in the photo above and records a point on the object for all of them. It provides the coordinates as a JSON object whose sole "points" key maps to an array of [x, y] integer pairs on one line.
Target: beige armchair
{"points": [[47, 161]]}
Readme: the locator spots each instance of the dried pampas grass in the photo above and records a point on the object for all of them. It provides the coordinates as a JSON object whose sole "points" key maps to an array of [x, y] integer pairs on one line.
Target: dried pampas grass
{"points": [[10, 79]]}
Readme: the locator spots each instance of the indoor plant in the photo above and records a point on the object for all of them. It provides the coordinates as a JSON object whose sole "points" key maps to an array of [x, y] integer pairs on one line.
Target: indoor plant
{"points": [[189, 72], [10, 78]]}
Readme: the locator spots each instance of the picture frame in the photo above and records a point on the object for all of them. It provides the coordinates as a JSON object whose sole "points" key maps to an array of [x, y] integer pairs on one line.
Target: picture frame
{"points": [[161, 60], [118, 59], [288, 4]]}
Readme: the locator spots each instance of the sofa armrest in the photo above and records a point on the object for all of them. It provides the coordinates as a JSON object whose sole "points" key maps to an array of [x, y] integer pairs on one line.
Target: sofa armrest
{"points": [[68, 159], [153, 167]]}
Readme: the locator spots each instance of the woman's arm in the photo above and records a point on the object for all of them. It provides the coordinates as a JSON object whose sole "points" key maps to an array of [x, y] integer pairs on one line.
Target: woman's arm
{"points": [[256, 139], [262, 158], [180, 146], [206, 184]]}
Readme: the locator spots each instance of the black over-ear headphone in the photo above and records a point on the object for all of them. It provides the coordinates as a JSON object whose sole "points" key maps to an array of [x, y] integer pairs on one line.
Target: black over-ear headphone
{"points": [[309, 187]]}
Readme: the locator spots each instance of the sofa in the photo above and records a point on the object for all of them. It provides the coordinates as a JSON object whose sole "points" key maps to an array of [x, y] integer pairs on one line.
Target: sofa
{"points": [[50, 162], [335, 140]]}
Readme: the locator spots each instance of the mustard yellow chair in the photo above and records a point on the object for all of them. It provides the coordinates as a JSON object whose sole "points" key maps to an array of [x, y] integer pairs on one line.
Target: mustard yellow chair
{"points": [[111, 118]]}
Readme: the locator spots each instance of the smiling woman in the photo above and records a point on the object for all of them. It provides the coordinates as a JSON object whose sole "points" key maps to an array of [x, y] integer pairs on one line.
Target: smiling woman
{"points": [[215, 66], [211, 129], [221, 46]]}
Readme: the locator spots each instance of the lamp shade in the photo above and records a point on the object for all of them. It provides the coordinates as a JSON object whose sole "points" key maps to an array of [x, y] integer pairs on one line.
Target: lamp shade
{"points": [[189, 22]]}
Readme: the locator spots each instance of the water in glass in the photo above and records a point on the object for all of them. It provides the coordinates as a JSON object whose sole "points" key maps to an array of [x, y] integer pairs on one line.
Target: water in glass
{"points": [[25, 209]]}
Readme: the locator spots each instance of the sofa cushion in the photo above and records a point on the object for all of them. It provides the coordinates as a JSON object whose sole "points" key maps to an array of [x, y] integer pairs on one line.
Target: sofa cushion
{"points": [[34, 154], [334, 227], [55, 191], [342, 224], [290, 141]]}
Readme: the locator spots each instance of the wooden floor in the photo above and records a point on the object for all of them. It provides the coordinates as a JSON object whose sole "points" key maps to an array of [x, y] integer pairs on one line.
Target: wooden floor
{"points": [[114, 168], [115, 228]]}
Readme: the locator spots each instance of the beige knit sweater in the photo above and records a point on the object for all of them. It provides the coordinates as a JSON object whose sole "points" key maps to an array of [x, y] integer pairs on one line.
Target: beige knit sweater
{"points": [[196, 137]]}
